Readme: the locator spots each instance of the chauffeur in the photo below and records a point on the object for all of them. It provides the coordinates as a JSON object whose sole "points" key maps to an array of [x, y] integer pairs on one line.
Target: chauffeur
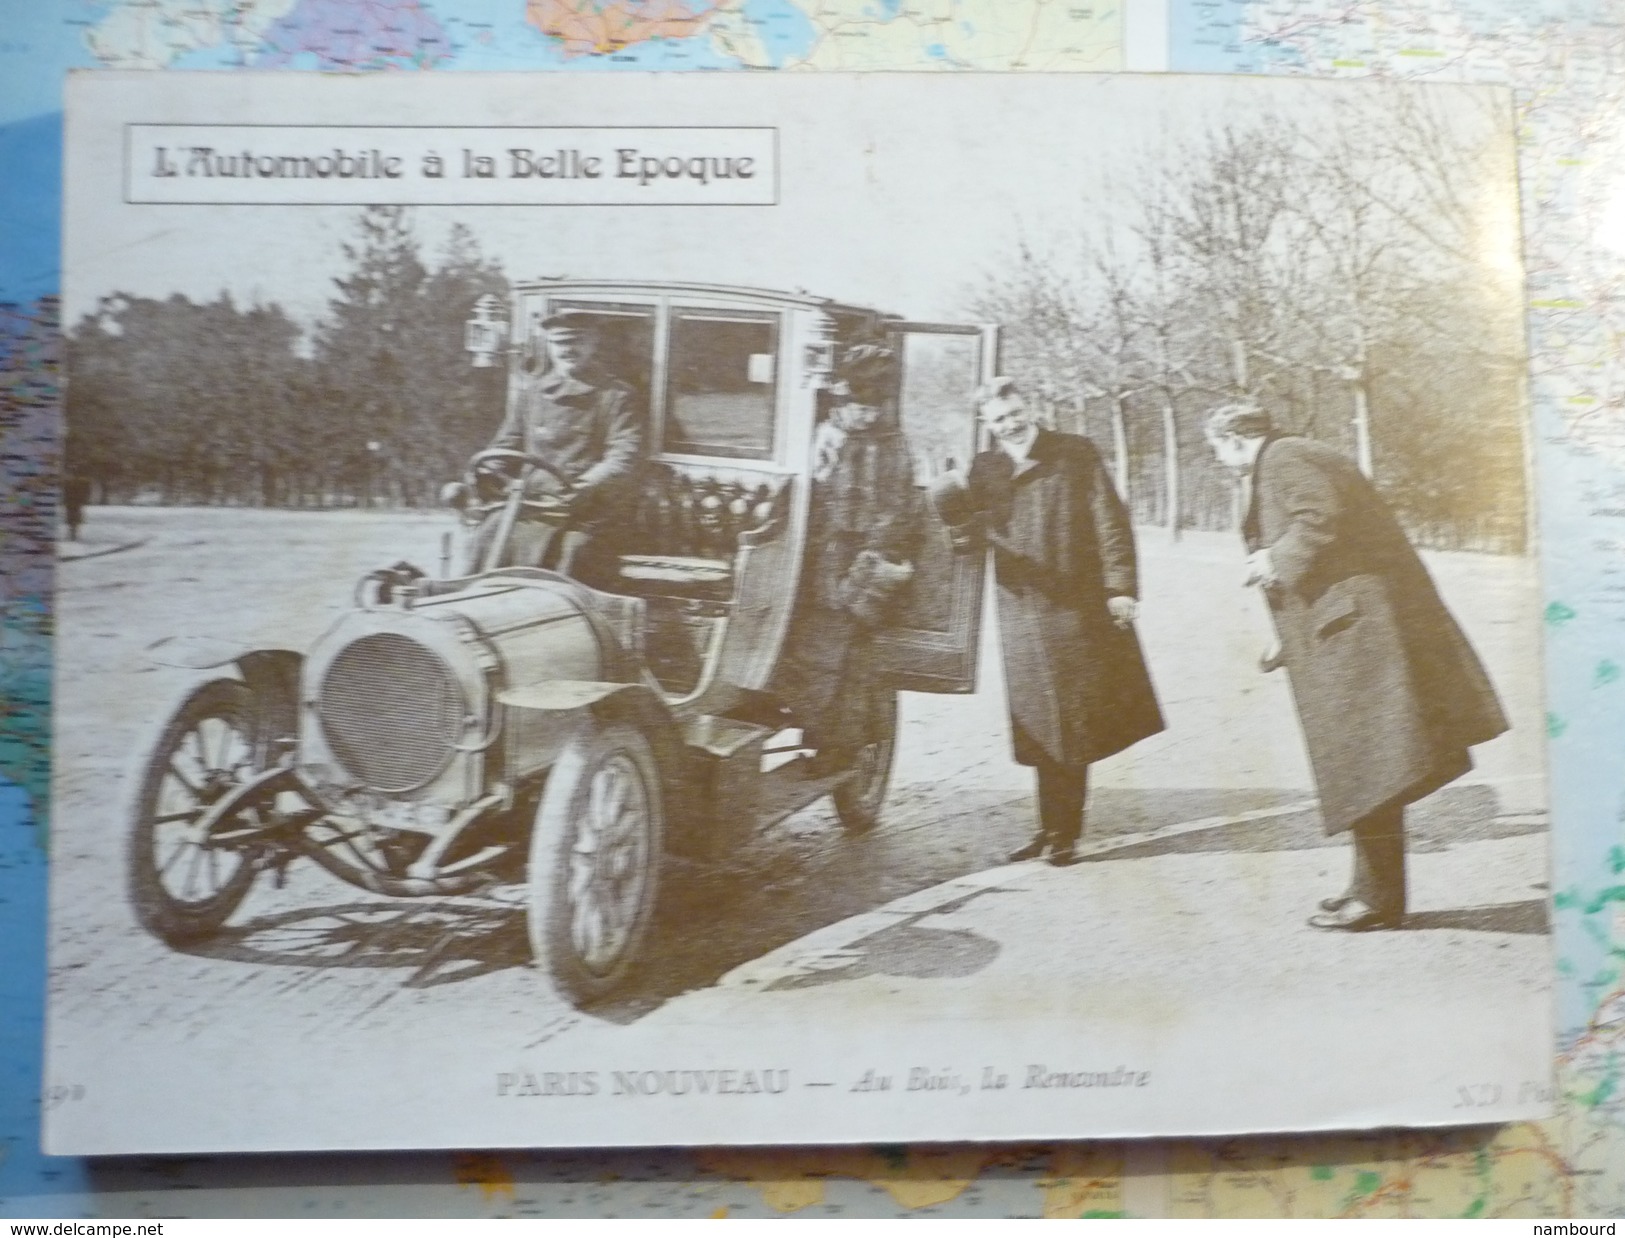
{"points": [[586, 424]]}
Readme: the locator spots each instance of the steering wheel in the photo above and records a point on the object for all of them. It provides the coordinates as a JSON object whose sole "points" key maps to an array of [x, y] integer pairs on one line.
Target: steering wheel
{"points": [[515, 467], [511, 467], [514, 459]]}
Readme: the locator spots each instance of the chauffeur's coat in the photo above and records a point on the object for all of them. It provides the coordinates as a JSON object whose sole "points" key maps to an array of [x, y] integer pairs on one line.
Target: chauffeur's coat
{"points": [[1390, 694], [587, 426], [1062, 545]]}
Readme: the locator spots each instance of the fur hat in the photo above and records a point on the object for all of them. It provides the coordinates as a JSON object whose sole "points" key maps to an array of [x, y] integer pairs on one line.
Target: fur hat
{"points": [[866, 374]]}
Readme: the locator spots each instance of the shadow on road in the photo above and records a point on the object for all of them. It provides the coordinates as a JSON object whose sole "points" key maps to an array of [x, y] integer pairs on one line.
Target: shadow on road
{"points": [[905, 950], [1530, 917], [442, 943], [808, 873], [1445, 819]]}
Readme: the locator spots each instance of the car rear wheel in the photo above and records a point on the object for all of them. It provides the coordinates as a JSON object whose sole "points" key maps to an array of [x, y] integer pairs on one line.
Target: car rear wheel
{"points": [[595, 861], [858, 800], [185, 883]]}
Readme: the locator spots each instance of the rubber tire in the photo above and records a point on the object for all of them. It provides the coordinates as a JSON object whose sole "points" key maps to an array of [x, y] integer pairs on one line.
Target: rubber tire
{"points": [[858, 801], [171, 919], [550, 915]]}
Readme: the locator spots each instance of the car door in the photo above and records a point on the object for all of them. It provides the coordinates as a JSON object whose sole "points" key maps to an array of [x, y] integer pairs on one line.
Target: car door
{"points": [[933, 646]]}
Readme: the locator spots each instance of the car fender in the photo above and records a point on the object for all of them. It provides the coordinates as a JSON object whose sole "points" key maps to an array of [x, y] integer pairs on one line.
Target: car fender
{"points": [[634, 703], [272, 675]]}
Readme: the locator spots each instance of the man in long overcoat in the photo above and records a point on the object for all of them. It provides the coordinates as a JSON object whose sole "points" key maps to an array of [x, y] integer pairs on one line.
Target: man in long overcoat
{"points": [[1390, 695], [1065, 566]]}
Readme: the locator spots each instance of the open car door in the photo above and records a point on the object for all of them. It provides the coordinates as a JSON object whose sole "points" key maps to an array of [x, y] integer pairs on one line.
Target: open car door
{"points": [[933, 645]]}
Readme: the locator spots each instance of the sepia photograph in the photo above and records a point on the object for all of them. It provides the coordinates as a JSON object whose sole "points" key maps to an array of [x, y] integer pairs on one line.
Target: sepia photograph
{"points": [[660, 610]]}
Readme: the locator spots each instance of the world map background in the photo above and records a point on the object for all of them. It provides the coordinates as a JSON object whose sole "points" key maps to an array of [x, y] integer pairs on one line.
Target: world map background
{"points": [[1567, 63]]}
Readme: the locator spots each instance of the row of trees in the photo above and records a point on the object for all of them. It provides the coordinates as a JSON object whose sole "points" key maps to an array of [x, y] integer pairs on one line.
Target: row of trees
{"points": [[1355, 273], [179, 402]]}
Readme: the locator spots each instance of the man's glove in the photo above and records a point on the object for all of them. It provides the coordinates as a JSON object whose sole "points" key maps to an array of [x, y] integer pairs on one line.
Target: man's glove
{"points": [[1261, 570], [550, 495], [491, 479]]}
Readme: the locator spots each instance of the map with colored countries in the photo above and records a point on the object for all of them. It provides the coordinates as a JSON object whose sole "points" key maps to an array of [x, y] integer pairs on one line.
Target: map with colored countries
{"points": [[591, 27], [1076, 1180], [151, 34], [1512, 1171], [647, 34], [916, 34]]}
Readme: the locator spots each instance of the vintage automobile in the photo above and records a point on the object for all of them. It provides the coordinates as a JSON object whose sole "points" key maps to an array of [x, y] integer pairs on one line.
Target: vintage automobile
{"points": [[519, 728]]}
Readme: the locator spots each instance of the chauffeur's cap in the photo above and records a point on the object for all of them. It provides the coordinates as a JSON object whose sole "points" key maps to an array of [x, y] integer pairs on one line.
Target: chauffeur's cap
{"points": [[569, 322]]}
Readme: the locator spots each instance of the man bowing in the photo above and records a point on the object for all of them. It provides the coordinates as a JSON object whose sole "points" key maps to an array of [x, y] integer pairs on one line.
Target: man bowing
{"points": [[1390, 695]]}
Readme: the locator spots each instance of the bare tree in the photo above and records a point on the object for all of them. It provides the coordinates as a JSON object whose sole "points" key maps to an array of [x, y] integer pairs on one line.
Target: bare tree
{"points": [[1045, 339], [1330, 267]]}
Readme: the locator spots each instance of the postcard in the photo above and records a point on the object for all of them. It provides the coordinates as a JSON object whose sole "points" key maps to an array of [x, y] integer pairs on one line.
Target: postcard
{"points": [[752, 609]]}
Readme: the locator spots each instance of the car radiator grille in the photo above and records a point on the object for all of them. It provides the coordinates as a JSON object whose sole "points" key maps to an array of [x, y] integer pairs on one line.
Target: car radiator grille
{"points": [[392, 711]]}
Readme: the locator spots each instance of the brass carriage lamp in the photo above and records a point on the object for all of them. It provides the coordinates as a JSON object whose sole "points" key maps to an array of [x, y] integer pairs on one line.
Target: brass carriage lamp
{"points": [[486, 330]]}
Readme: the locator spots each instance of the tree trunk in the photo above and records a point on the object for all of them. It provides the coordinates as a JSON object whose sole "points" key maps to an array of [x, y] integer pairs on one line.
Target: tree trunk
{"points": [[1120, 447], [1170, 465], [1238, 361], [1362, 427]]}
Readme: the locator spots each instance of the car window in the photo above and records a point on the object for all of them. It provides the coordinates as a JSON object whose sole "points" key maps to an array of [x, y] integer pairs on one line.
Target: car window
{"points": [[940, 373], [721, 380]]}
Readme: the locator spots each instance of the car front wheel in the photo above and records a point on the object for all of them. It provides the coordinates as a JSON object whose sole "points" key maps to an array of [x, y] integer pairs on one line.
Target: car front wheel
{"points": [[184, 881], [595, 856]]}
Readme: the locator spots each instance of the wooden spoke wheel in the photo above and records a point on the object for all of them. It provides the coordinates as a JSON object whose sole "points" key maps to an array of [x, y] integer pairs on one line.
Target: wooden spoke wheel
{"points": [[595, 858], [185, 881]]}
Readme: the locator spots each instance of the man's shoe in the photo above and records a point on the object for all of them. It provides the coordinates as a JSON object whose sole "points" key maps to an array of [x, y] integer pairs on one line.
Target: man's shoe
{"points": [[1355, 917], [1029, 851], [1063, 856], [1336, 902]]}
